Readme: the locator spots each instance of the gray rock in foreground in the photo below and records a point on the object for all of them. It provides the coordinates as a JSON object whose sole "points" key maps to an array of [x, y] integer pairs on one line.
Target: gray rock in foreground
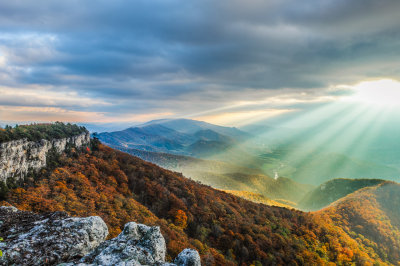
{"points": [[38, 239], [188, 257], [54, 238], [137, 244]]}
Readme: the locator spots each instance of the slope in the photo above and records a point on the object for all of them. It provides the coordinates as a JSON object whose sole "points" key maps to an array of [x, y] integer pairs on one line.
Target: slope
{"points": [[258, 198], [333, 190], [372, 217], [227, 176], [226, 229]]}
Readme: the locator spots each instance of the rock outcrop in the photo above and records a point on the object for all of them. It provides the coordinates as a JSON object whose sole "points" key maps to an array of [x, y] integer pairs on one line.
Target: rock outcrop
{"points": [[39, 239], [57, 239], [137, 244], [188, 257], [18, 157]]}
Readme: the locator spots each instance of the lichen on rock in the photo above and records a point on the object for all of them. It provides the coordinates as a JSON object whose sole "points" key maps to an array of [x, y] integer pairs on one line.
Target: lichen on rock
{"points": [[137, 244], [188, 257], [38, 239], [57, 239]]}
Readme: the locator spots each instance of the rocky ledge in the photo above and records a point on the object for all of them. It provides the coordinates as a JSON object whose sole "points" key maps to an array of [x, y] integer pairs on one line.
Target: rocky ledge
{"points": [[57, 239], [18, 157]]}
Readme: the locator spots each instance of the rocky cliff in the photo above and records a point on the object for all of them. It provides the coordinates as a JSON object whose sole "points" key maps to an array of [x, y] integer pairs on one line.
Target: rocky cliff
{"points": [[18, 157], [57, 239]]}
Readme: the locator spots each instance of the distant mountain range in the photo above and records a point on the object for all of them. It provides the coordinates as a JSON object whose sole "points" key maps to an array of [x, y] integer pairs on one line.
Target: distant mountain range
{"points": [[190, 126], [179, 136], [206, 153], [231, 159]]}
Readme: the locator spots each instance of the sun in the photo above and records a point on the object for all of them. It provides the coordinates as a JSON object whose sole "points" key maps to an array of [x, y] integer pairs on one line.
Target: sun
{"points": [[383, 92]]}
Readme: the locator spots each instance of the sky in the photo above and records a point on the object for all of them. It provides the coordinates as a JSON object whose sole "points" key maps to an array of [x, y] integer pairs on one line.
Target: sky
{"points": [[220, 61]]}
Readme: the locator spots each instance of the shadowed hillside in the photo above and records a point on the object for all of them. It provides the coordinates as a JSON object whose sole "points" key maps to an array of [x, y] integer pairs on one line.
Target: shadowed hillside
{"points": [[333, 190]]}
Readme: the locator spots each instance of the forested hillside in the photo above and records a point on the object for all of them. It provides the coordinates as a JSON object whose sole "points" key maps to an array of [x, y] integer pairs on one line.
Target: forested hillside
{"points": [[226, 176], [333, 190], [226, 229], [258, 198], [372, 217]]}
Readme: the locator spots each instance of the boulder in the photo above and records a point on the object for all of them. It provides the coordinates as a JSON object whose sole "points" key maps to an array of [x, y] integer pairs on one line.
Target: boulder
{"points": [[38, 239], [57, 239], [188, 257], [137, 244]]}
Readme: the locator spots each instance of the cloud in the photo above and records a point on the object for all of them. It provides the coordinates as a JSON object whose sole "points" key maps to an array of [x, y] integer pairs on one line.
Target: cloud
{"points": [[44, 96], [184, 57], [52, 114], [241, 118]]}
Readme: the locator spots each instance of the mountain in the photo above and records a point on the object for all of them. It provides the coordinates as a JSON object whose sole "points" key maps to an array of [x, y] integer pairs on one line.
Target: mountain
{"points": [[207, 148], [333, 190], [157, 137], [192, 126], [180, 136], [210, 135], [291, 150], [359, 229]]}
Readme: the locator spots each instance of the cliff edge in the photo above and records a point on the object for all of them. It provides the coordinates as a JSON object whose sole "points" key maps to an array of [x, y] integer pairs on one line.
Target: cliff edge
{"points": [[19, 157]]}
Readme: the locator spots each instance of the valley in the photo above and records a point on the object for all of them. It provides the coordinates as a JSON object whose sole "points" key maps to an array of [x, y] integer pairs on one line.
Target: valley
{"points": [[227, 228], [279, 169]]}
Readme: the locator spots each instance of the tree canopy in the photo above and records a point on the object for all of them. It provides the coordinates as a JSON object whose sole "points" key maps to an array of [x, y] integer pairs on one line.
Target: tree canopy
{"points": [[36, 132]]}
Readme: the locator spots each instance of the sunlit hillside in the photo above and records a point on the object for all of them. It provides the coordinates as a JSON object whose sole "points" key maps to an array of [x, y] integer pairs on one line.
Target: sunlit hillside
{"points": [[370, 216], [258, 198]]}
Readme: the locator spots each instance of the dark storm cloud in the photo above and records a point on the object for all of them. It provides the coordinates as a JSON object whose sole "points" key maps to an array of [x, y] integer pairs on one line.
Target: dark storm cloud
{"points": [[171, 55]]}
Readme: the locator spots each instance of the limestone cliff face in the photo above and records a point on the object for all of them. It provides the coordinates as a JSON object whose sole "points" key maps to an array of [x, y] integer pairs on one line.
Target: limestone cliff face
{"points": [[18, 157]]}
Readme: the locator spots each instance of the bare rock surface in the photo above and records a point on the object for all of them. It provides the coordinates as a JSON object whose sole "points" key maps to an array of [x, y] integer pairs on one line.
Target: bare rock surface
{"points": [[188, 257], [58, 239], [46, 239], [137, 244], [18, 157]]}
